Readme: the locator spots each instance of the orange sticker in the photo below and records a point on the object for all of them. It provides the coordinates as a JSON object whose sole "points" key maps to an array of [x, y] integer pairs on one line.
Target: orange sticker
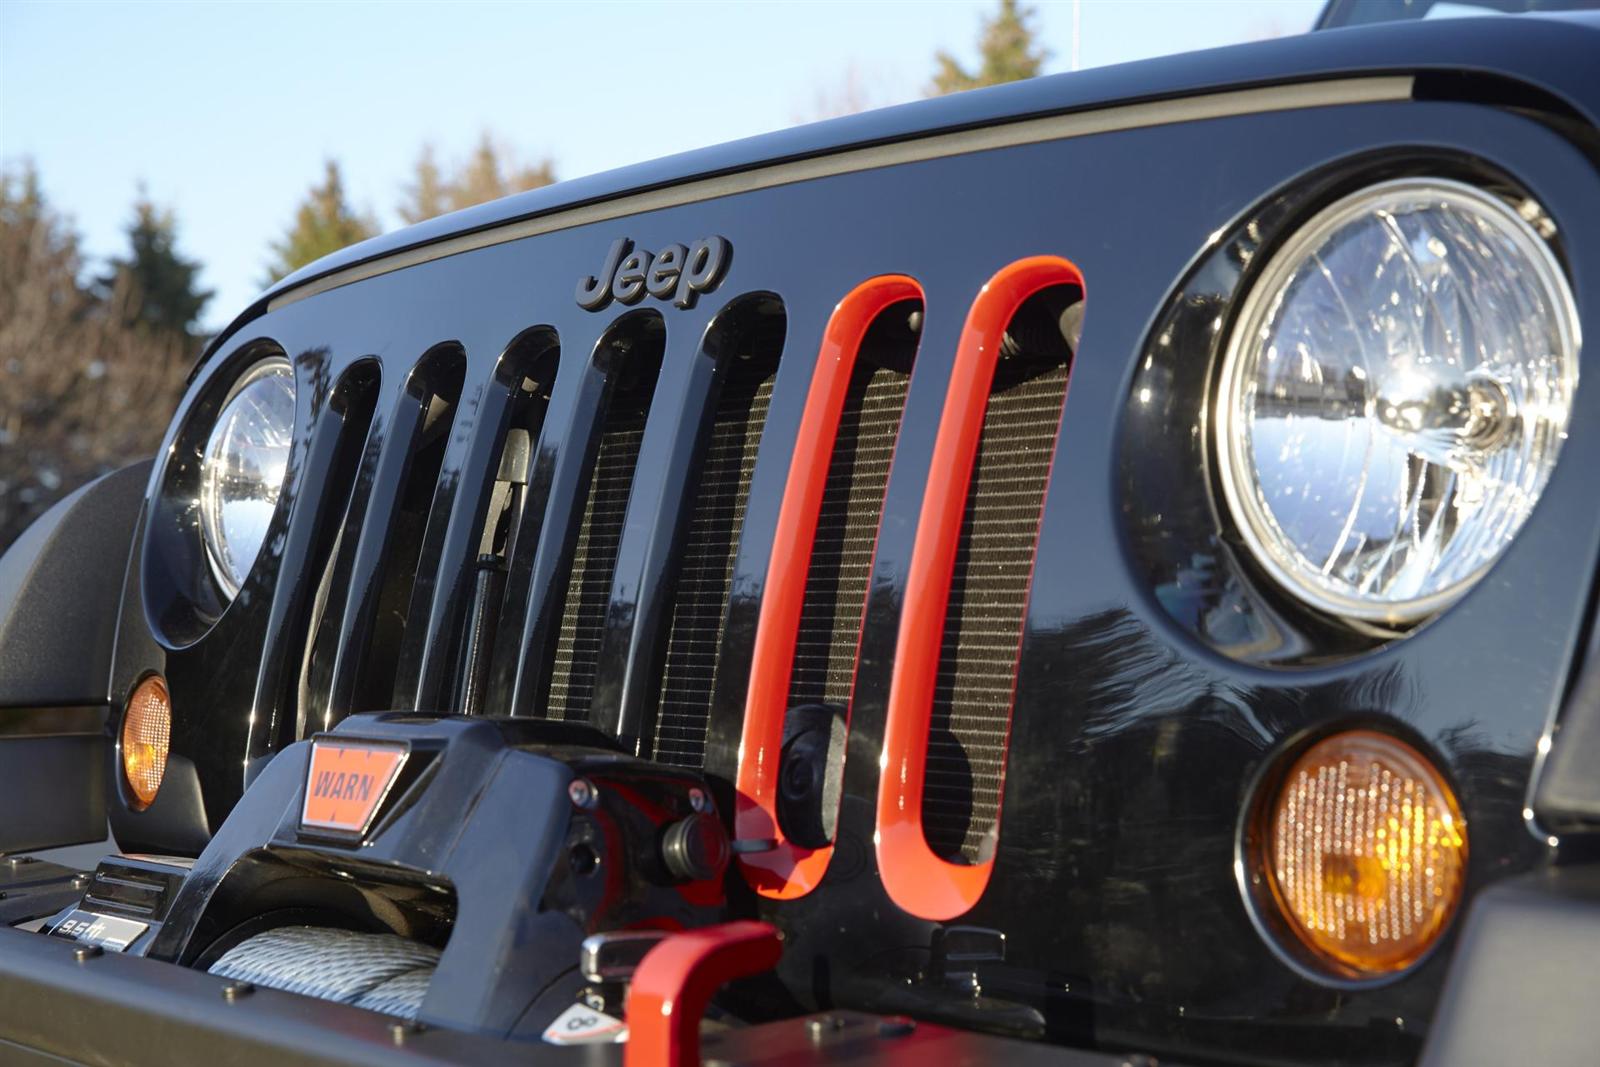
{"points": [[346, 782]]}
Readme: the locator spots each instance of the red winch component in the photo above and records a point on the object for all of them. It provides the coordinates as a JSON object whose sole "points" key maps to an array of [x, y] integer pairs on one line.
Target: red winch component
{"points": [[675, 981]]}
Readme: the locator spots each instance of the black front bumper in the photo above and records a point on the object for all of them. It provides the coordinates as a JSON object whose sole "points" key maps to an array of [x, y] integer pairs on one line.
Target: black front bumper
{"points": [[63, 1003]]}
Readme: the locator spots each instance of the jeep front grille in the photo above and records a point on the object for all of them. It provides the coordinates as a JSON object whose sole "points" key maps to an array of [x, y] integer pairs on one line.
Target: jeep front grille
{"points": [[538, 616]]}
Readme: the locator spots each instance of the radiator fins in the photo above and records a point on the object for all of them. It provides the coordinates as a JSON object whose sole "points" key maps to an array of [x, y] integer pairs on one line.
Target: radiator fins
{"points": [[634, 351], [594, 559], [747, 341], [983, 624], [846, 534], [700, 607]]}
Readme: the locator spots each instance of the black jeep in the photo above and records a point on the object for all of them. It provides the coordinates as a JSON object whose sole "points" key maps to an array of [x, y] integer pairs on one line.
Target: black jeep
{"points": [[1091, 570]]}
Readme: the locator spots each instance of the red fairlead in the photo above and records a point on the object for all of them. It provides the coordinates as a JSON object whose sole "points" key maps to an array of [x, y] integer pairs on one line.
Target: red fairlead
{"points": [[787, 870], [917, 880]]}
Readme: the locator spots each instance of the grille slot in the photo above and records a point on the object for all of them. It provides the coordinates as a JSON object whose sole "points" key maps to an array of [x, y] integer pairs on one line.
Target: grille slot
{"points": [[593, 560], [635, 349], [535, 362], [790, 758], [847, 524], [380, 550], [716, 517], [513, 508], [827, 634], [310, 552], [990, 582], [440, 375], [843, 542]]}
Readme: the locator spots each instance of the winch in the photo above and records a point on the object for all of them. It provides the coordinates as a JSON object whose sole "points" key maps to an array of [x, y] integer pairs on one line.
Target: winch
{"points": [[446, 870]]}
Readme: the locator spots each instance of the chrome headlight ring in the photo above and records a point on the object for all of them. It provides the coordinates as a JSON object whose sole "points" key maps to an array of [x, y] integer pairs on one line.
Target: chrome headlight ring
{"points": [[242, 469], [1393, 397]]}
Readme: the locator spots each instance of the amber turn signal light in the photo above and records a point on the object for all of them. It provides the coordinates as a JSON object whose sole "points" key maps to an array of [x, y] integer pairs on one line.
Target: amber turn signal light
{"points": [[1364, 850], [146, 732]]}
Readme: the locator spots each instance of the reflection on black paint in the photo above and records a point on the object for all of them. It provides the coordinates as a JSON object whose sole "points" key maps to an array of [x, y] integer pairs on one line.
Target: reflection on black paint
{"points": [[1132, 854]]}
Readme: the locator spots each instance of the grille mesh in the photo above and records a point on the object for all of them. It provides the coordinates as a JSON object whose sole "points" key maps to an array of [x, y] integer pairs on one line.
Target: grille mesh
{"points": [[594, 559], [847, 530], [710, 544], [983, 625]]}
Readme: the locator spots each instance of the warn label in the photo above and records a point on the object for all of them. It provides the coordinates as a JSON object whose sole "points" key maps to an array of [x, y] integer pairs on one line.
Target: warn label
{"points": [[346, 782]]}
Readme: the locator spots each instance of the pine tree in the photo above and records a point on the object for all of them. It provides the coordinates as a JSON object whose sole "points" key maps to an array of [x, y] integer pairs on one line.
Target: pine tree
{"points": [[162, 294], [38, 248], [1008, 52], [427, 196], [490, 173], [480, 180], [325, 222], [78, 382]]}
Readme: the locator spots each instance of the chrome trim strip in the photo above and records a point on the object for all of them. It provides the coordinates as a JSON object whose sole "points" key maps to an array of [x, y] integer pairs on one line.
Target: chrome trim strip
{"points": [[1005, 135]]}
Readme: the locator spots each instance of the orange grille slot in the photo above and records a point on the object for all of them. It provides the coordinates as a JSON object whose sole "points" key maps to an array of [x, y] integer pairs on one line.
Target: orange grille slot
{"points": [[788, 870], [916, 878]]}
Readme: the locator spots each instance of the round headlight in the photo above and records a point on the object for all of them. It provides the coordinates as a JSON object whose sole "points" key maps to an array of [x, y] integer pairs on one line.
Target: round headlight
{"points": [[1394, 395], [242, 471]]}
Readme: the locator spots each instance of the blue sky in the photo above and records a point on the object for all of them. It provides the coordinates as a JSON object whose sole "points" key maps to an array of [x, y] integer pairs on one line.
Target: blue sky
{"points": [[226, 111]]}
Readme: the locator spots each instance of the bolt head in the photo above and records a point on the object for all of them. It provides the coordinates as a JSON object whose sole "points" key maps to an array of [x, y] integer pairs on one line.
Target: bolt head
{"points": [[400, 1031], [582, 793], [698, 800]]}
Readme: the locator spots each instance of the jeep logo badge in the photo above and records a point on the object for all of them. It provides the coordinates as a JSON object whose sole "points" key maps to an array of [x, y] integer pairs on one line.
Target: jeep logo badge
{"points": [[675, 273]]}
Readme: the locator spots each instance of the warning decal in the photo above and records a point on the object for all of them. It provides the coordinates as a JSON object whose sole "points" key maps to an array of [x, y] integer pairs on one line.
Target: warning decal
{"points": [[346, 781]]}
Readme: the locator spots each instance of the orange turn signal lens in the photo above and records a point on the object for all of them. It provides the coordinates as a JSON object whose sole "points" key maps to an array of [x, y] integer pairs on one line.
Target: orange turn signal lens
{"points": [[146, 732], [1365, 850]]}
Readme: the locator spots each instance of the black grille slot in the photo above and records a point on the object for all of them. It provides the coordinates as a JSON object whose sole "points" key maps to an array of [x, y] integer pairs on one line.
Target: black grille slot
{"points": [[993, 570], [847, 524], [514, 509], [354, 487], [699, 613], [435, 388], [417, 429], [593, 560], [636, 349]]}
